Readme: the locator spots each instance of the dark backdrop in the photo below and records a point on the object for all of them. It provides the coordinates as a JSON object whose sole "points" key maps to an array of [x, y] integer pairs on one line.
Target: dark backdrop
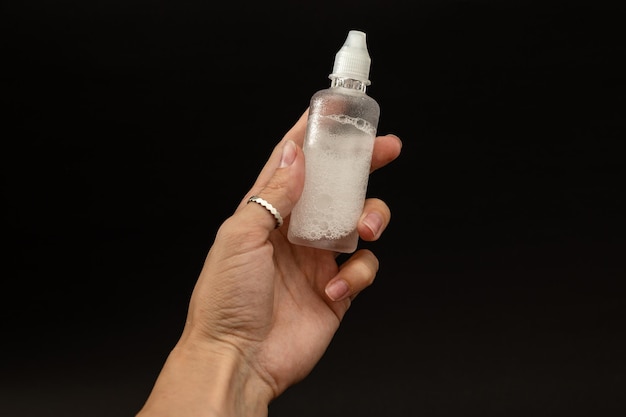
{"points": [[131, 129]]}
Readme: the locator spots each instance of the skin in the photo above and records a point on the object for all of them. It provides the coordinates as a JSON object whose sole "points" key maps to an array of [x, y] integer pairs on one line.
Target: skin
{"points": [[263, 310]]}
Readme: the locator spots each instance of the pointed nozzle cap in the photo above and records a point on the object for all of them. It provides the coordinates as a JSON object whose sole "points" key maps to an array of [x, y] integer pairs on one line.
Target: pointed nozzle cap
{"points": [[353, 59]]}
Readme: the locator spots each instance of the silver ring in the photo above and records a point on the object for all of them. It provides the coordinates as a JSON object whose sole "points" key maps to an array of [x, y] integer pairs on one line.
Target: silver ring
{"points": [[269, 207]]}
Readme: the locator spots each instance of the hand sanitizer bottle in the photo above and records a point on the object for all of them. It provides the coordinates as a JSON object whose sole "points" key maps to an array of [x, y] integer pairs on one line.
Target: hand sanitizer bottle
{"points": [[338, 146]]}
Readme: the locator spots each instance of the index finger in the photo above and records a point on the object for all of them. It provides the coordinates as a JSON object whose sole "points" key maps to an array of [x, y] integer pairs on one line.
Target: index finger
{"points": [[386, 149]]}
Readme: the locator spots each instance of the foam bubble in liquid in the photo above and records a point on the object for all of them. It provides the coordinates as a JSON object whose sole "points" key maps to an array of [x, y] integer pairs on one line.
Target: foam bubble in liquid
{"points": [[337, 170]]}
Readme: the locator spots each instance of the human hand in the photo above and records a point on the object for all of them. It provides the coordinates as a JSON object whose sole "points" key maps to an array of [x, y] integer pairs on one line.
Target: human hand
{"points": [[264, 310]]}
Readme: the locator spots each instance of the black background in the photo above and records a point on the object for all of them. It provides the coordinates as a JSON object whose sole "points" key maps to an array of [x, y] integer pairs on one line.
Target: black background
{"points": [[134, 128]]}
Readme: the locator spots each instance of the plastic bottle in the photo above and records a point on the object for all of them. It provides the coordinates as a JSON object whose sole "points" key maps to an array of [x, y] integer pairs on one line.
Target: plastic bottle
{"points": [[338, 146]]}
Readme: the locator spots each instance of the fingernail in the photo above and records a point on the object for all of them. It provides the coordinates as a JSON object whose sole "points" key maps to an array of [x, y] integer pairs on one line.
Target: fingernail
{"points": [[397, 138], [289, 154], [337, 290], [374, 222]]}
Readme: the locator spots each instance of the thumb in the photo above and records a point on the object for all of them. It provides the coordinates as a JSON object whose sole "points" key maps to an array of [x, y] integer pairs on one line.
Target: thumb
{"points": [[280, 193]]}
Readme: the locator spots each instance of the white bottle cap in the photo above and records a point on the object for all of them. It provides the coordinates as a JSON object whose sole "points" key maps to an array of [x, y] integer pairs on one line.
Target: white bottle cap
{"points": [[353, 60]]}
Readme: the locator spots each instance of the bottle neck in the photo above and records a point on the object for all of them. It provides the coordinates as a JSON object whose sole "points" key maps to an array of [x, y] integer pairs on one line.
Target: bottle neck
{"points": [[349, 83]]}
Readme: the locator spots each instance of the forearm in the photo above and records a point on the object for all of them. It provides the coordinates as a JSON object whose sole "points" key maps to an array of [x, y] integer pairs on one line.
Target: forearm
{"points": [[204, 382]]}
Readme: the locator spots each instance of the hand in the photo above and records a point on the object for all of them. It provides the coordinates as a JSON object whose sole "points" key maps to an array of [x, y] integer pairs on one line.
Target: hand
{"points": [[264, 310]]}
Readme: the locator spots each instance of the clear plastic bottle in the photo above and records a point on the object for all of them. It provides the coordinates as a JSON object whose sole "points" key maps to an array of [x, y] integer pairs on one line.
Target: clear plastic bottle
{"points": [[338, 146]]}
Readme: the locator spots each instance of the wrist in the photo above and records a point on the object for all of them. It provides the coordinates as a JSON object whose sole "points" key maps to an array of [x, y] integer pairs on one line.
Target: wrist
{"points": [[207, 380]]}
